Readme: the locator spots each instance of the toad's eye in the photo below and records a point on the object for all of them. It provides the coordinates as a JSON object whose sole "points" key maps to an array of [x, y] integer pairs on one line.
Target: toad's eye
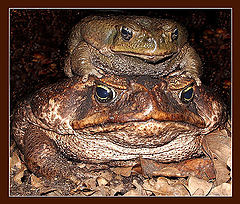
{"points": [[126, 33], [187, 94], [104, 94], [174, 35]]}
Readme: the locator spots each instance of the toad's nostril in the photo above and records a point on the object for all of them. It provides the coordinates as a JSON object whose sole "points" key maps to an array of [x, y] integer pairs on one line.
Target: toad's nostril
{"points": [[162, 85]]}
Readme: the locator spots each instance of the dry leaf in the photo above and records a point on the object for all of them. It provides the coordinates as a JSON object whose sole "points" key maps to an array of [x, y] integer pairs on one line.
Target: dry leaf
{"points": [[225, 189], [222, 173], [48, 191], [198, 186], [36, 182], [139, 188], [161, 187], [169, 172], [123, 171], [107, 175], [90, 183], [102, 191], [133, 193], [229, 162], [88, 193], [15, 161], [85, 187], [117, 188], [136, 184], [18, 177], [102, 181], [218, 144], [199, 167], [54, 194], [152, 168], [198, 192]]}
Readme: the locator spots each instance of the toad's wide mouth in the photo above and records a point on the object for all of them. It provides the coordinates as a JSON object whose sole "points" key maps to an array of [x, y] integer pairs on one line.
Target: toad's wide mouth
{"points": [[149, 133], [159, 57], [151, 114]]}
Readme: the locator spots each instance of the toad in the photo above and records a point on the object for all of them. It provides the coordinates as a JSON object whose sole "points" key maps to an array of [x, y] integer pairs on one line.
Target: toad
{"points": [[130, 45], [113, 120]]}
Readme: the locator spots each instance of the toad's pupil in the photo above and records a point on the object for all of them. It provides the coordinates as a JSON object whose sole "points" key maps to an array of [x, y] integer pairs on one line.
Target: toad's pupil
{"points": [[188, 94], [126, 33], [175, 34], [103, 93]]}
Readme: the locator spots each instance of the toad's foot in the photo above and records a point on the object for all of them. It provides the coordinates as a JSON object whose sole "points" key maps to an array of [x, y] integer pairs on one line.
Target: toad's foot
{"points": [[184, 73], [94, 72]]}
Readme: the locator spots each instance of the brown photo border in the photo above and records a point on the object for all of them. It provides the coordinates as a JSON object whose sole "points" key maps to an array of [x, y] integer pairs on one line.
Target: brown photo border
{"points": [[4, 18]]}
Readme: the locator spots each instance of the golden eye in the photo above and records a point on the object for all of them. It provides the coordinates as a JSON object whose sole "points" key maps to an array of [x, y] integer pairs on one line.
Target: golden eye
{"points": [[104, 94], [187, 94]]}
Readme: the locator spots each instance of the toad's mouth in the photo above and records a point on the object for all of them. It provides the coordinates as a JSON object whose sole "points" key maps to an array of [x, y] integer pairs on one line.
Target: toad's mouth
{"points": [[153, 114], [157, 58], [149, 134]]}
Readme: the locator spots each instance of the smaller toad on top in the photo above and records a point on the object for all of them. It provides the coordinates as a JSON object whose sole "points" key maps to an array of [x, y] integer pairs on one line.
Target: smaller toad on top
{"points": [[130, 45]]}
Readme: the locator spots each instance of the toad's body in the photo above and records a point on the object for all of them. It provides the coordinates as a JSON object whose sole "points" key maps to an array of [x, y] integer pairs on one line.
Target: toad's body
{"points": [[113, 119], [130, 45]]}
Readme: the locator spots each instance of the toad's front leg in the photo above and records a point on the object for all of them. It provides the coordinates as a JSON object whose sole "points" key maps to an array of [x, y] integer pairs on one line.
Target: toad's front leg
{"points": [[43, 158], [189, 63], [79, 62]]}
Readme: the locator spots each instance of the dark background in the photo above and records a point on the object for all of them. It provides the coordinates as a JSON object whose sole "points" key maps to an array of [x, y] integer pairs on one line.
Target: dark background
{"points": [[38, 43]]}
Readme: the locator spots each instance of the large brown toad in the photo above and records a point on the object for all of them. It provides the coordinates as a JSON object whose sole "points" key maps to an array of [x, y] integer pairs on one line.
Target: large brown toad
{"points": [[130, 45], [113, 119]]}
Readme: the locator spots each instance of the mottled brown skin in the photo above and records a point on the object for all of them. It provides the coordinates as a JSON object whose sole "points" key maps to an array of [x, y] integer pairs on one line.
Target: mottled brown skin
{"points": [[96, 46], [146, 118]]}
